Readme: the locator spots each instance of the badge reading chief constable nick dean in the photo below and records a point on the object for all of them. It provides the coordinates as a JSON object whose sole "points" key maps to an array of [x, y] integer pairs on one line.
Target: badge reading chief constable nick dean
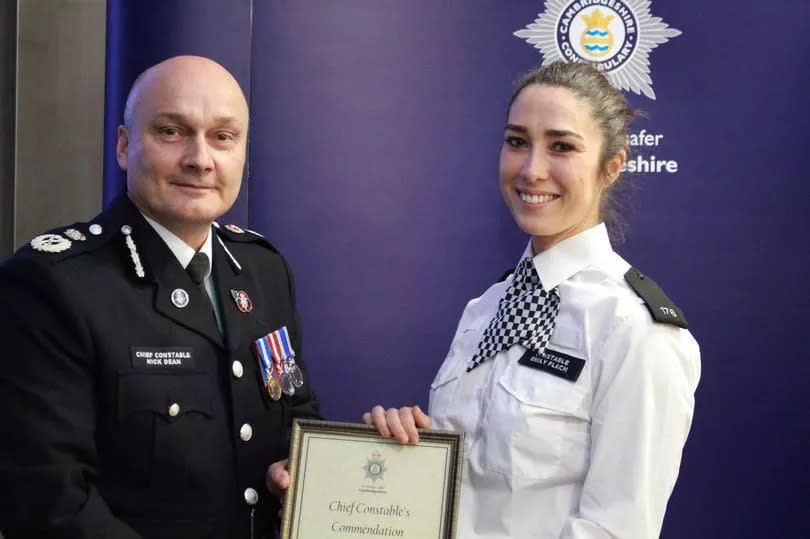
{"points": [[162, 357]]}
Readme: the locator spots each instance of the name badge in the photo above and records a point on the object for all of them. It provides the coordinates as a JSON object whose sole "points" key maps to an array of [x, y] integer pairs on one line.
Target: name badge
{"points": [[554, 362], [162, 357]]}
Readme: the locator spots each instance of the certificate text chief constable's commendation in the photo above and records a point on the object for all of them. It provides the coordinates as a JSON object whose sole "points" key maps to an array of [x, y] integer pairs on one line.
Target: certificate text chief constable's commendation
{"points": [[348, 481]]}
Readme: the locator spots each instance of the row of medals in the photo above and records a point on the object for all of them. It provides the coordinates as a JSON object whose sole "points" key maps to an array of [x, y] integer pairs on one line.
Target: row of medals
{"points": [[291, 378]]}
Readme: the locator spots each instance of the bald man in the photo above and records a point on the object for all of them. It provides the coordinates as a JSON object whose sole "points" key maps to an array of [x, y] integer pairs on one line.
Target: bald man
{"points": [[149, 372]]}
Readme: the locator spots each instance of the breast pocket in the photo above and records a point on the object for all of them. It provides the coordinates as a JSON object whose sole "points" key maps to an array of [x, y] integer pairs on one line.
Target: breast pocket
{"points": [[455, 394], [443, 386], [166, 421], [546, 419]]}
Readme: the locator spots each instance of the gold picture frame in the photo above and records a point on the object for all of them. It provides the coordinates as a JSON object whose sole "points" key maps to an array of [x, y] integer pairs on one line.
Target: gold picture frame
{"points": [[347, 480]]}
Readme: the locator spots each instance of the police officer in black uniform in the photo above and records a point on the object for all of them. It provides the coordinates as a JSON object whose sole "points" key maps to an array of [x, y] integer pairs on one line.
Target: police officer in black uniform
{"points": [[133, 402]]}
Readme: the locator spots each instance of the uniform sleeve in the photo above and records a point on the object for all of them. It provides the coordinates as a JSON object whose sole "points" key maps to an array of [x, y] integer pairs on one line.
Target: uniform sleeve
{"points": [[48, 460], [304, 403], [641, 414]]}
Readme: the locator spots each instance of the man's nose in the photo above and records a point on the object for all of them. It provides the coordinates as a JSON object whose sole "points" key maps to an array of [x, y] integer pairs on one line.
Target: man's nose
{"points": [[198, 154]]}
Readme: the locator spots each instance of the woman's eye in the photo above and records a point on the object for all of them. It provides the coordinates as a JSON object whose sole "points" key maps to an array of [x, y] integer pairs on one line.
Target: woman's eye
{"points": [[223, 137], [559, 146], [515, 142]]}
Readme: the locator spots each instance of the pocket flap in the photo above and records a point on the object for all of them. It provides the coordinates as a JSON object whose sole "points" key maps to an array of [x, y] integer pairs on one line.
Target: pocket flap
{"points": [[170, 395], [542, 389], [461, 352]]}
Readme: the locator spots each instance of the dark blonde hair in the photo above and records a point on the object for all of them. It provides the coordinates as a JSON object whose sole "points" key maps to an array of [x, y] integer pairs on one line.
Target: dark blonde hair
{"points": [[610, 110]]}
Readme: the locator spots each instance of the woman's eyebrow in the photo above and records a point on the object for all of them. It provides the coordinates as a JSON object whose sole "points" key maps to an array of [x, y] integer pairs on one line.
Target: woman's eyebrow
{"points": [[556, 133]]}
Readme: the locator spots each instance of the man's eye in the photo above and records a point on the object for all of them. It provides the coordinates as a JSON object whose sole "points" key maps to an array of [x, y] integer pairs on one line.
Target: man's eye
{"points": [[170, 131], [515, 142]]}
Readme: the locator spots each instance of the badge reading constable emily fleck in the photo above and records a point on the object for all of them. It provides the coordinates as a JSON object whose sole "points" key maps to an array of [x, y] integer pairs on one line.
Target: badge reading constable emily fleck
{"points": [[554, 362]]}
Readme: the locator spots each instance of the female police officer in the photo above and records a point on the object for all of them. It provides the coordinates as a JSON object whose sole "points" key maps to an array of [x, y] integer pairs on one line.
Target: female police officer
{"points": [[574, 378]]}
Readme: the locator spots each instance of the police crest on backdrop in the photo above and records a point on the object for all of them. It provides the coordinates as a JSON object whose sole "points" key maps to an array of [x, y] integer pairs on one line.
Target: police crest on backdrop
{"points": [[616, 35]]}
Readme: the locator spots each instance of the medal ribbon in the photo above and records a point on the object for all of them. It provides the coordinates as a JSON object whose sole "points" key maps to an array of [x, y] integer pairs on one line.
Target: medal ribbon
{"points": [[285, 344], [276, 352], [262, 350]]}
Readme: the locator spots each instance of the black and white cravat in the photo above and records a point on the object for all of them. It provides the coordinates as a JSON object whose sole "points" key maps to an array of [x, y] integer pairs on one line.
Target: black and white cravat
{"points": [[525, 315]]}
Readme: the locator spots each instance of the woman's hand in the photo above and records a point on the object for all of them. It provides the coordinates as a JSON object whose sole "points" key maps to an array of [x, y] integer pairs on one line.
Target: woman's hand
{"points": [[400, 423]]}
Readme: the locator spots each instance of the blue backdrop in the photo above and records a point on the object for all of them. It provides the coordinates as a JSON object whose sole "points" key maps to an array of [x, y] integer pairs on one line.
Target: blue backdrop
{"points": [[376, 126]]}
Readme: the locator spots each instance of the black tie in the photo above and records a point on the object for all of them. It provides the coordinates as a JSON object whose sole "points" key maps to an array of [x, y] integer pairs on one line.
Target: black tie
{"points": [[198, 268]]}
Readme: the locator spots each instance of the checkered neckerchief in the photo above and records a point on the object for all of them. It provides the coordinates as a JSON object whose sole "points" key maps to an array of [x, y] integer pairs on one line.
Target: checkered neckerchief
{"points": [[525, 315]]}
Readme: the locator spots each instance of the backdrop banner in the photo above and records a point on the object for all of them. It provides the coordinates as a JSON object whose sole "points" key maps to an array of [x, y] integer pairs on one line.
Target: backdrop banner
{"points": [[375, 134]]}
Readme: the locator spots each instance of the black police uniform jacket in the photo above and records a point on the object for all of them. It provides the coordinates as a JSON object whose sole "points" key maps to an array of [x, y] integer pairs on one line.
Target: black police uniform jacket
{"points": [[88, 444]]}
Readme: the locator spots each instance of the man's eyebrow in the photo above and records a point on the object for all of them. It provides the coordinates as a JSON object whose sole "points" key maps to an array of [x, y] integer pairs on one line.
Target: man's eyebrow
{"points": [[170, 116], [180, 118]]}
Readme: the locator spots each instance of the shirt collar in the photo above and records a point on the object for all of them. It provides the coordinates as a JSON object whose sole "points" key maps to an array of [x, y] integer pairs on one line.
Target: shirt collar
{"points": [[181, 250], [564, 259]]}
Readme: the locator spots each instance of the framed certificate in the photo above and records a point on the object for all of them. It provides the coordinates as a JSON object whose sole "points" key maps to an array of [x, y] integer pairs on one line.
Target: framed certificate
{"points": [[348, 481]]}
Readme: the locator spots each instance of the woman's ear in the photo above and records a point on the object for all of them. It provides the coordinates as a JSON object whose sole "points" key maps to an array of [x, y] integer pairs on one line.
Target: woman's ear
{"points": [[614, 167]]}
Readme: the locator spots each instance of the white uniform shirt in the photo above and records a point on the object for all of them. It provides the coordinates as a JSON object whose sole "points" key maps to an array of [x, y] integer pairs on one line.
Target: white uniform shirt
{"points": [[184, 253], [545, 457]]}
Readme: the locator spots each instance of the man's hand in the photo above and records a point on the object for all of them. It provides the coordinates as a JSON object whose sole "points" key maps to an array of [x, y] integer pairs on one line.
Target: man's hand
{"points": [[277, 479], [400, 423]]}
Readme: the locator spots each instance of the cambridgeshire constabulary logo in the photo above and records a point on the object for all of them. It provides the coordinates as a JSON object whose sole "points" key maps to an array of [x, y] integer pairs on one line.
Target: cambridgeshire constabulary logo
{"points": [[375, 466], [617, 35]]}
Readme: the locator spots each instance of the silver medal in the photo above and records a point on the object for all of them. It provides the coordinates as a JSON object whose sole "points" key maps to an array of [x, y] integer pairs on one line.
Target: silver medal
{"points": [[296, 375], [287, 385]]}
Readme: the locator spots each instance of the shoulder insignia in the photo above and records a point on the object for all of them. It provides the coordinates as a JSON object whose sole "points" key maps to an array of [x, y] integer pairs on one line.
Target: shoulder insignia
{"points": [[229, 233], [660, 306], [241, 235], [51, 243], [235, 229], [74, 234], [65, 242], [506, 275]]}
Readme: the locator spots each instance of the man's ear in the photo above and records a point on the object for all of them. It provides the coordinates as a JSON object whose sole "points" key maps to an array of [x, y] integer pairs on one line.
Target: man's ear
{"points": [[121, 147]]}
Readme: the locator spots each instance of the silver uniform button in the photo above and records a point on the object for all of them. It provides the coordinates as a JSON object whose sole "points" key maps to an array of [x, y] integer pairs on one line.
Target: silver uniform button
{"points": [[174, 409], [126, 230], [237, 369], [251, 496], [95, 229], [246, 432]]}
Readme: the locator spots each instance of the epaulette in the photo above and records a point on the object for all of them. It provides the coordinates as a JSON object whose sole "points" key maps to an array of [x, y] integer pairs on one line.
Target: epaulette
{"points": [[660, 306], [68, 241], [506, 275], [242, 235]]}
